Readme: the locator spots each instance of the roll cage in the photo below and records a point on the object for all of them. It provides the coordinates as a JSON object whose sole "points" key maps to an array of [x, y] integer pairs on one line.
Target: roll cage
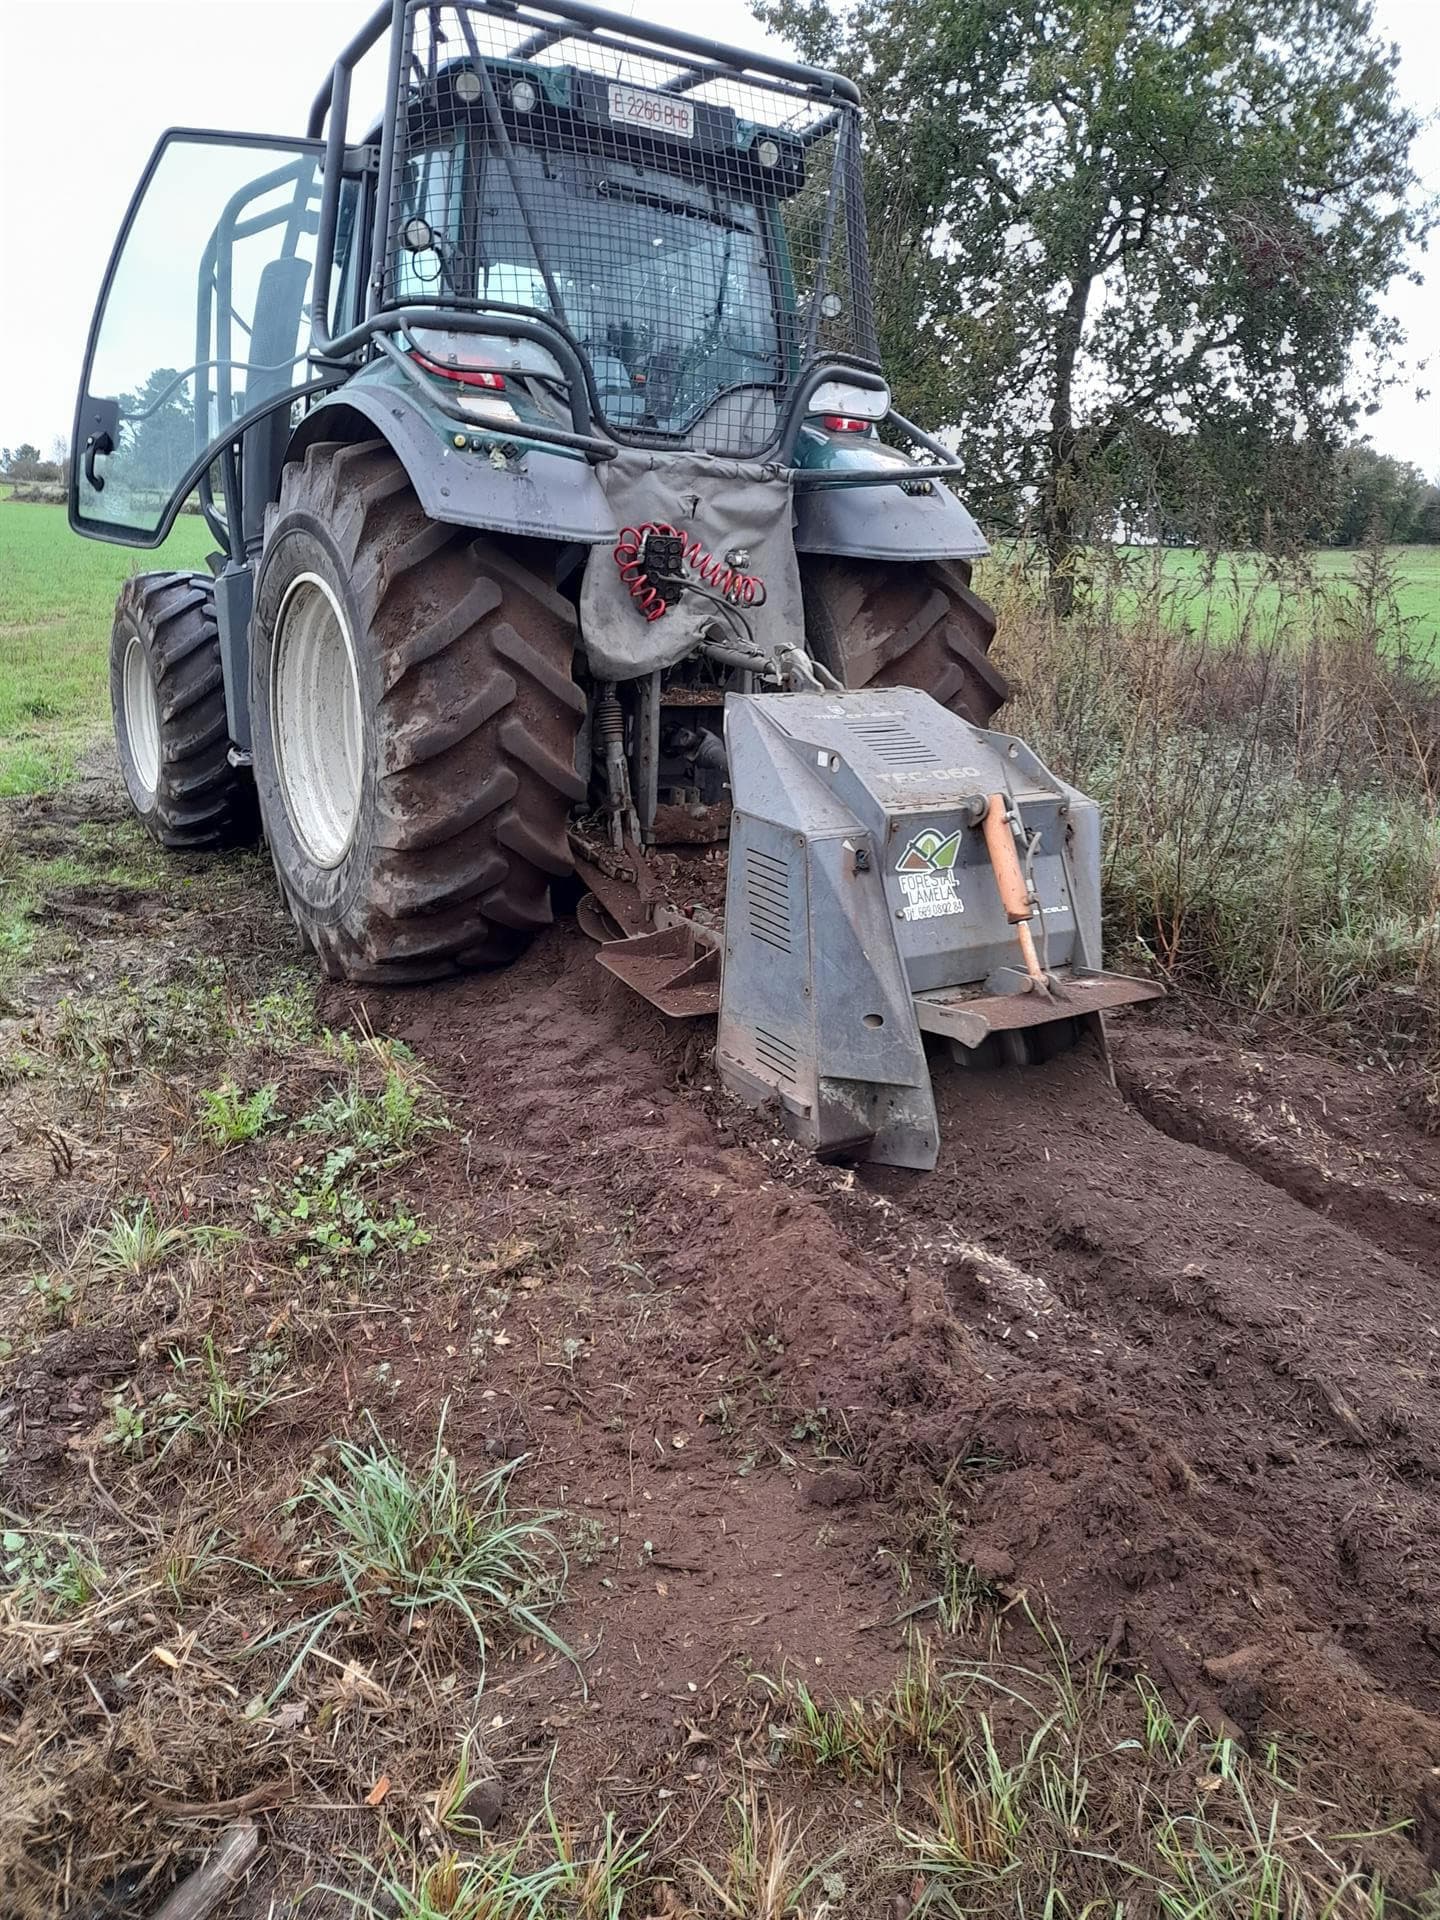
{"points": [[779, 135], [567, 43]]}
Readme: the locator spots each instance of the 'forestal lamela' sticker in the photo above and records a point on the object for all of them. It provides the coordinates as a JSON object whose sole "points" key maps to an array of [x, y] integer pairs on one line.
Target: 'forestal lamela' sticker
{"points": [[926, 872]]}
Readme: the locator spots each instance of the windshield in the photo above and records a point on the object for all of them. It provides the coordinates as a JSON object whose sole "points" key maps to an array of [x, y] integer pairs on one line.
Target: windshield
{"points": [[665, 282]]}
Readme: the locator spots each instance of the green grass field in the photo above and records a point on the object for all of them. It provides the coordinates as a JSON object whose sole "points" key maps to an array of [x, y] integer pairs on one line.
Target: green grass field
{"points": [[57, 593], [1249, 595], [1242, 594]]}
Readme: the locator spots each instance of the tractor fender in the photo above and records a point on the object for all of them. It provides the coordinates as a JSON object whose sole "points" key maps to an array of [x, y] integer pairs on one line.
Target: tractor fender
{"points": [[543, 496], [884, 523]]}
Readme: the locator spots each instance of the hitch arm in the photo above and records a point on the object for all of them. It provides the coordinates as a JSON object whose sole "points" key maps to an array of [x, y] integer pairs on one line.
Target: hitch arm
{"points": [[1014, 893]]}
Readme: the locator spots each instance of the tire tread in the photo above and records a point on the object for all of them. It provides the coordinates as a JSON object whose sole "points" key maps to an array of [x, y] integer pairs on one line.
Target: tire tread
{"points": [[476, 721], [201, 801]]}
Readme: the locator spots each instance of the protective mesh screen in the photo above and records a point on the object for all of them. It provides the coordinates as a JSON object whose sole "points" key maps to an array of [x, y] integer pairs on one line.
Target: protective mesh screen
{"points": [[698, 230]]}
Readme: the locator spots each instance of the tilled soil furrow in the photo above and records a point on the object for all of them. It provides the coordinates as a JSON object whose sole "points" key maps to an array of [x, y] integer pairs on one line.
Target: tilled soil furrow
{"points": [[1325, 1138], [1290, 1362], [1179, 1407]]}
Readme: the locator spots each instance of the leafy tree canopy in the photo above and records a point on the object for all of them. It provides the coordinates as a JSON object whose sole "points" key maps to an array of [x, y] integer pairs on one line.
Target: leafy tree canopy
{"points": [[1378, 498], [1092, 218]]}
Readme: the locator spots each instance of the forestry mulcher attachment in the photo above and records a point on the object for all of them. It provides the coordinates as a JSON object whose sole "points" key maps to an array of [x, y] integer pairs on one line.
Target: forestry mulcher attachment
{"points": [[565, 528]]}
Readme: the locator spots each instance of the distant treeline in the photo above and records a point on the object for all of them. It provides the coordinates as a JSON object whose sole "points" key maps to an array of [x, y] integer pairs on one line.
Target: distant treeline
{"points": [[1230, 489], [1383, 499]]}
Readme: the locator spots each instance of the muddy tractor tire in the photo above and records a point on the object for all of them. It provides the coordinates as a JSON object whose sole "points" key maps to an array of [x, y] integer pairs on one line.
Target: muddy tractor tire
{"points": [[875, 623], [171, 731], [414, 722]]}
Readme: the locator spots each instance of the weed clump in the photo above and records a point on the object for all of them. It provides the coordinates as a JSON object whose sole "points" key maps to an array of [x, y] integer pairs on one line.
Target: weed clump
{"points": [[426, 1545], [229, 1118], [1271, 795]]}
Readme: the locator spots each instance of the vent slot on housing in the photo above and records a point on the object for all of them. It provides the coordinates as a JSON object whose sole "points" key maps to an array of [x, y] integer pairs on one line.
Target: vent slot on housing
{"points": [[767, 898], [777, 1054], [892, 742]]}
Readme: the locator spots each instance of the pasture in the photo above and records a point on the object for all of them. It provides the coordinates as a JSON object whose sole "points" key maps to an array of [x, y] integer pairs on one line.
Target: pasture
{"points": [[1235, 593], [56, 596]]}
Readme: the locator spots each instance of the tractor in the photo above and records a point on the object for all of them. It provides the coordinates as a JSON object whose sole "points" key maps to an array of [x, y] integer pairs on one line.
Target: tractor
{"points": [[569, 545]]}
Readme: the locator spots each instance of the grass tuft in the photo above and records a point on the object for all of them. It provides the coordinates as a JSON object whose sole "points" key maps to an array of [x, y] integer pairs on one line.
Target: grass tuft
{"points": [[229, 1118], [1064, 1792], [48, 1575], [424, 1544], [137, 1242], [766, 1874]]}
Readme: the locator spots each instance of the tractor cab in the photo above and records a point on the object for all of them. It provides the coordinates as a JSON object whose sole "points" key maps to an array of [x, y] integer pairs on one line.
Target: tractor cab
{"points": [[652, 226]]}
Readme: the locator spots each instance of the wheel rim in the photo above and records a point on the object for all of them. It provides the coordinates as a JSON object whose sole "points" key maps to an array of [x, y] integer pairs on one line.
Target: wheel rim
{"points": [[142, 714], [315, 713]]}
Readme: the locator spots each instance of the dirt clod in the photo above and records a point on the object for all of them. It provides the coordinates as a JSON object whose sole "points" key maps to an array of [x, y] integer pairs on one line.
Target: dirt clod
{"points": [[484, 1803], [834, 1487], [991, 1564]]}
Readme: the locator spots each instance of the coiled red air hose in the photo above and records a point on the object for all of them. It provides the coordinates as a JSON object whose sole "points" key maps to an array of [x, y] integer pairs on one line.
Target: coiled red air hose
{"points": [[740, 589]]}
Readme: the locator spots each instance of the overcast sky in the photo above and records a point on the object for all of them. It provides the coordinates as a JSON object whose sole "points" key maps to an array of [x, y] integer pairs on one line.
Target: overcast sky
{"points": [[86, 87]]}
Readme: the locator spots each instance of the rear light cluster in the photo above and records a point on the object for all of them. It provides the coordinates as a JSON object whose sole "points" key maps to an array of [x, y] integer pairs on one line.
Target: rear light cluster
{"points": [[462, 376], [844, 423]]}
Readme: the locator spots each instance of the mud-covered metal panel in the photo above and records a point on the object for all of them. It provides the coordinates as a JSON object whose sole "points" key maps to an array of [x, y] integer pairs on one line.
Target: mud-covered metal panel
{"points": [[767, 1008], [886, 523], [815, 1008], [543, 496]]}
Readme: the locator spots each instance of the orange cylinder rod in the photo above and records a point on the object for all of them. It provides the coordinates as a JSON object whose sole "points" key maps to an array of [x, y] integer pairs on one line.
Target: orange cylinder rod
{"points": [[1010, 879]]}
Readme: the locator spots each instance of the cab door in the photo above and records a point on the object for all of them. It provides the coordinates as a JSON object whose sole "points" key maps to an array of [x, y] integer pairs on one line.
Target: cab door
{"points": [[203, 324]]}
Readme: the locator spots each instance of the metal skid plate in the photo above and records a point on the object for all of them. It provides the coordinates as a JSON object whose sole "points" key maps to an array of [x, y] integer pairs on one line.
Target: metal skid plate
{"points": [[676, 970], [963, 1014]]}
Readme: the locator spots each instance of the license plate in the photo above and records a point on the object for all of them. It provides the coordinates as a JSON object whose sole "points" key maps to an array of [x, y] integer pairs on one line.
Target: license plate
{"points": [[657, 112]]}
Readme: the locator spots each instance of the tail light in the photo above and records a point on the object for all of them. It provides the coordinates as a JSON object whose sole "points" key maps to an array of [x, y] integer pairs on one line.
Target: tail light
{"points": [[842, 423], [462, 376]]}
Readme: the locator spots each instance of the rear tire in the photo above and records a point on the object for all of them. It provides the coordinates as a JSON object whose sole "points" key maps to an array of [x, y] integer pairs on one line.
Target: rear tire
{"points": [[172, 734], [876, 623], [415, 723]]}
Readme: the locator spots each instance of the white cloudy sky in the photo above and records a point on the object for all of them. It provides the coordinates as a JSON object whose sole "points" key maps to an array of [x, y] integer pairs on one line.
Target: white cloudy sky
{"points": [[73, 148]]}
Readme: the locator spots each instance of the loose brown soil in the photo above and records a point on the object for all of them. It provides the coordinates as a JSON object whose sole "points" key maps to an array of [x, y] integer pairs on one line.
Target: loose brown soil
{"points": [[1206, 1405], [1168, 1350]]}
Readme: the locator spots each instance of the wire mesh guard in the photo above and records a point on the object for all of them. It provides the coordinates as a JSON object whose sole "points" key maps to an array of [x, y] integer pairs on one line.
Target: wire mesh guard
{"points": [[698, 230]]}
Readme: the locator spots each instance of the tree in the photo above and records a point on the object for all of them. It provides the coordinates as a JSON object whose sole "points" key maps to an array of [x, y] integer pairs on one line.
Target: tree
{"points": [[1377, 498], [25, 462], [1094, 219], [157, 425]]}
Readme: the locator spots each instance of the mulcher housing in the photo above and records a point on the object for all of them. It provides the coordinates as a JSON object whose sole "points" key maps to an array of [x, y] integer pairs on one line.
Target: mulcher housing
{"points": [[561, 510]]}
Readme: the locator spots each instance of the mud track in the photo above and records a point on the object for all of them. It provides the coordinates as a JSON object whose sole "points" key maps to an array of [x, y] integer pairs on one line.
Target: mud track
{"points": [[1171, 1348]]}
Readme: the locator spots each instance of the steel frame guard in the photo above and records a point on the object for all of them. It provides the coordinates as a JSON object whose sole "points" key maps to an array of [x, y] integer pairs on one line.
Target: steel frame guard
{"points": [[391, 12], [587, 443], [530, 323]]}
